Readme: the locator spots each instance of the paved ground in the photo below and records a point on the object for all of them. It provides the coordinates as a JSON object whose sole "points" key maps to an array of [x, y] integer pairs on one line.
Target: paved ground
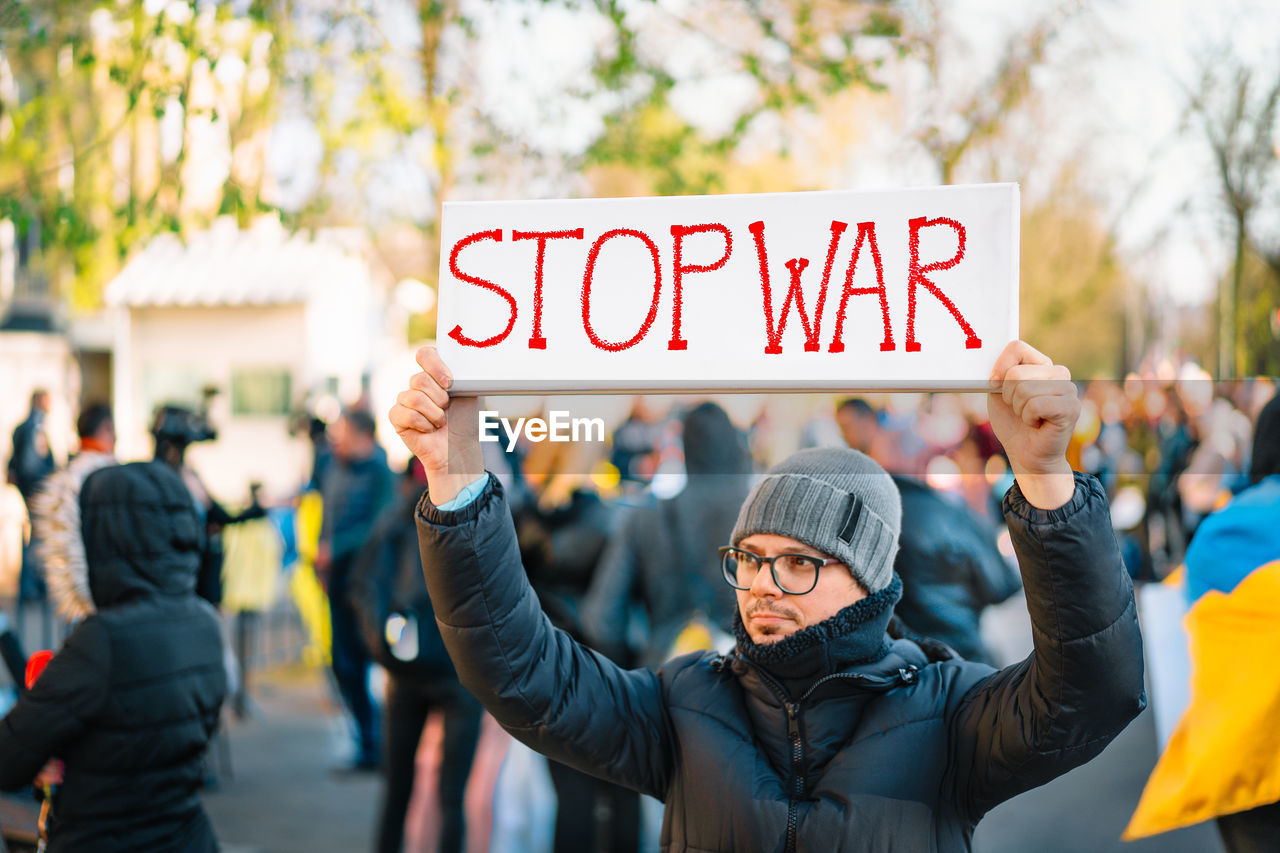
{"points": [[1086, 810], [282, 796]]}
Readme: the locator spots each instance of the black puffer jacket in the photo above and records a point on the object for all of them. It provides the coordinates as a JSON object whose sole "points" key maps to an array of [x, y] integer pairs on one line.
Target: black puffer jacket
{"points": [[951, 569], [820, 750], [131, 699]]}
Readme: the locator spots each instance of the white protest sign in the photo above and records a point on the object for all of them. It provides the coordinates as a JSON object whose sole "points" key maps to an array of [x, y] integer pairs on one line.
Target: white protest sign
{"points": [[906, 289]]}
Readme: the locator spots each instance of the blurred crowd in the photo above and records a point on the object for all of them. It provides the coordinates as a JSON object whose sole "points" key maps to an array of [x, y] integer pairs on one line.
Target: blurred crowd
{"points": [[620, 541]]}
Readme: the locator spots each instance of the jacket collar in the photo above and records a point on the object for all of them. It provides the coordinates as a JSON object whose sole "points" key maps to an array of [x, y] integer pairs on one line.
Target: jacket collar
{"points": [[853, 640]]}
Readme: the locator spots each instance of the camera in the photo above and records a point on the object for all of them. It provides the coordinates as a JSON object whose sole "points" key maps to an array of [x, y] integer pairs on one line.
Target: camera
{"points": [[180, 426]]}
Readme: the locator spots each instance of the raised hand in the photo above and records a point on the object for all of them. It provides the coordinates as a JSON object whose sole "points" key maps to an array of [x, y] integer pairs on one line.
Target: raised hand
{"points": [[1034, 406], [442, 431]]}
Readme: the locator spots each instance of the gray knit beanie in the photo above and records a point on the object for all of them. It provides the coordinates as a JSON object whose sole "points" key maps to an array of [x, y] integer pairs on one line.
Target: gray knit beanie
{"points": [[836, 500]]}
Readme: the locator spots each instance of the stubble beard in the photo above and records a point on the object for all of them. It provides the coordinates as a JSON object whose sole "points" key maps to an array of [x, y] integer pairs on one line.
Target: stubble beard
{"points": [[771, 633]]}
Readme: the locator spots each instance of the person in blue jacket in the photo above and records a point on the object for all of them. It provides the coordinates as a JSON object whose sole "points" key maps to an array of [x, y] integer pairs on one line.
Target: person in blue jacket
{"points": [[1230, 545]]}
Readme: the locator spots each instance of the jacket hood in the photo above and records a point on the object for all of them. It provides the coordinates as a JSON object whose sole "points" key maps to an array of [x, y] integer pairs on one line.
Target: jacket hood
{"points": [[141, 533], [712, 444]]}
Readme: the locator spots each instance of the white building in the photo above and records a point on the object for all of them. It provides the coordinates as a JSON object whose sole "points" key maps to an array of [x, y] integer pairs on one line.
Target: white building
{"points": [[271, 320]]}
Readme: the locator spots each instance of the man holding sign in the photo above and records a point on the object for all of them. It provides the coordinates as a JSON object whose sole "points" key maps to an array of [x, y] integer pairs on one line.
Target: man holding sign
{"points": [[819, 731]]}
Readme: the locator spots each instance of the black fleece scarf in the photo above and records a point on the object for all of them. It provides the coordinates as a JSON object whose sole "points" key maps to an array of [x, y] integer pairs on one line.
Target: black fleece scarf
{"points": [[852, 637]]}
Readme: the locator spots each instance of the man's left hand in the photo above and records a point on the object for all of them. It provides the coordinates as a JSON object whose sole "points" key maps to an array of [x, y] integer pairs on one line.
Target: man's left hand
{"points": [[1034, 406]]}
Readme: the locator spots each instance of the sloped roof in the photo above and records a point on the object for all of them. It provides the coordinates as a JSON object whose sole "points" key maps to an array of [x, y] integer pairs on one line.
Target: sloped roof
{"points": [[263, 265]]}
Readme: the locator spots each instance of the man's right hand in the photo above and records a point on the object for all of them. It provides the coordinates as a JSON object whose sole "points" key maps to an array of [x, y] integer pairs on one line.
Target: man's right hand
{"points": [[442, 432]]}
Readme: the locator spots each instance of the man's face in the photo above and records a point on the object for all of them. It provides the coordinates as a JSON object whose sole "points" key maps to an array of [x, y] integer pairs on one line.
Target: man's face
{"points": [[858, 430], [342, 438], [770, 614], [106, 435], [349, 444], [40, 403]]}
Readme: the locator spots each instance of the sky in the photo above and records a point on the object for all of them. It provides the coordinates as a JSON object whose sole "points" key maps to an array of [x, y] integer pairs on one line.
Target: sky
{"points": [[1158, 48]]}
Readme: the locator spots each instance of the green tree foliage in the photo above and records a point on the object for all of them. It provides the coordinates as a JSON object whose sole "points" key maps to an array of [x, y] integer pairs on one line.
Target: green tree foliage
{"points": [[1074, 285], [122, 119], [1235, 107], [1258, 316], [790, 56], [955, 124], [790, 52]]}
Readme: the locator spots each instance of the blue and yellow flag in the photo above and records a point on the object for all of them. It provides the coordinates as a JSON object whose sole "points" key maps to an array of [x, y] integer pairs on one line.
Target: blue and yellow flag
{"points": [[1224, 754]]}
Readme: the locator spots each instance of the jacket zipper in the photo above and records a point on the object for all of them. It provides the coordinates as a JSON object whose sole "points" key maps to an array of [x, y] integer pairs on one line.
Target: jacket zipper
{"points": [[905, 675], [792, 710], [797, 773]]}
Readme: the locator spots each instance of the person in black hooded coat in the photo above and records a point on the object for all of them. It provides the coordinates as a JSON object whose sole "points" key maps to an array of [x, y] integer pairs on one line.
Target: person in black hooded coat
{"points": [[131, 700], [663, 555]]}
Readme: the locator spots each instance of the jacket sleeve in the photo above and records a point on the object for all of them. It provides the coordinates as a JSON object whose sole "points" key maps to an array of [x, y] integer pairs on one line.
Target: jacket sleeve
{"points": [[1031, 722], [553, 694], [65, 699]]}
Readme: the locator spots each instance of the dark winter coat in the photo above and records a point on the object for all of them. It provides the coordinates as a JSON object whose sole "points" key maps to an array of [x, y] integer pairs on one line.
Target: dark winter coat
{"points": [[130, 701], [32, 460], [899, 753], [386, 579], [561, 549], [951, 569], [664, 555], [355, 492]]}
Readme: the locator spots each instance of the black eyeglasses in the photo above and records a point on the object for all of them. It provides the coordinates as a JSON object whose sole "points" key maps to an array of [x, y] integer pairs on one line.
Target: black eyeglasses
{"points": [[794, 574]]}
